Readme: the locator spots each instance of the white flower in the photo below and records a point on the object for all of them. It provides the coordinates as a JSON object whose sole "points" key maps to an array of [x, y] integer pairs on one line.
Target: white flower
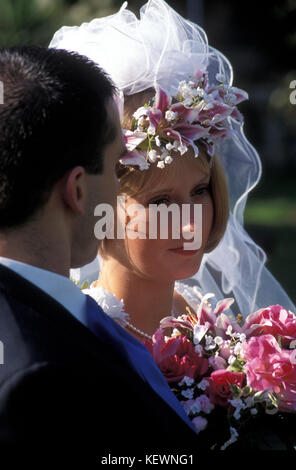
{"points": [[210, 343], [229, 331], [164, 154], [203, 384], [195, 407], [187, 381], [239, 405], [182, 149], [169, 146], [170, 115], [157, 141], [233, 438], [151, 130], [187, 393], [237, 348], [218, 340], [168, 159], [161, 164], [242, 337], [231, 359], [253, 411], [152, 156]]}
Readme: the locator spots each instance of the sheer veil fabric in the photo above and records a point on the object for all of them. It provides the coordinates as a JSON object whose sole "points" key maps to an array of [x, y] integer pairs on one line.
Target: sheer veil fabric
{"points": [[162, 48]]}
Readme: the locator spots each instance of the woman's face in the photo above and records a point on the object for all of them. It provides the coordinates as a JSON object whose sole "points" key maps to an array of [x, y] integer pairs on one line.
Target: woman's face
{"points": [[184, 183]]}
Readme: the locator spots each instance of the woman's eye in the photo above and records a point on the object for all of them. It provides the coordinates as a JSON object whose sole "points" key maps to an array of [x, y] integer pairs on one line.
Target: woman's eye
{"points": [[201, 191], [159, 201]]}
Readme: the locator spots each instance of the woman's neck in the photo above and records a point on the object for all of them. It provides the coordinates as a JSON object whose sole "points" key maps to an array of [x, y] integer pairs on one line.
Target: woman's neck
{"points": [[146, 301]]}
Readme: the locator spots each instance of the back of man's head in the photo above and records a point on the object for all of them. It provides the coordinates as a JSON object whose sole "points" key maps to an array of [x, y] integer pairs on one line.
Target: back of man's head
{"points": [[53, 117]]}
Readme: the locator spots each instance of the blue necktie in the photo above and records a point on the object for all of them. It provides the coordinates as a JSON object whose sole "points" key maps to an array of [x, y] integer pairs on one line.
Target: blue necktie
{"points": [[136, 354]]}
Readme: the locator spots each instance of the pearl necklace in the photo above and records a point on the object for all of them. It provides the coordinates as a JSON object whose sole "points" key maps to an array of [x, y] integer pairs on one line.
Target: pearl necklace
{"points": [[140, 332]]}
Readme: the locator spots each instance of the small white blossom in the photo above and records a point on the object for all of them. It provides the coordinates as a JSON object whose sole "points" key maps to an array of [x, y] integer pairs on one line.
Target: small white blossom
{"points": [[171, 115], [151, 130], [169, 146], [233, 438], [237, 348], [253, 411], [229, 331], [152, 156], [231, 359], [161, 164], [164, 154], [187, 393], [168, 159], [218, 340], [242, 337], [239, 405], [210, 343], [157, 141], [203, 384], [195, 407], [199, 349], [187, 381], [182, 149]]}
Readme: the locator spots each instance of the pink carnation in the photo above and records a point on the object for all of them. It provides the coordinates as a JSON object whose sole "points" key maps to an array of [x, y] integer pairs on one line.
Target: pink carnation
{"points": [[176, 357], [273, 320], [270, 367]]}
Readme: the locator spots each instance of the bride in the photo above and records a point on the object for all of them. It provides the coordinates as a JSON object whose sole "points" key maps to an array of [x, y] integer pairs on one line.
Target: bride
{"points": [[163, 63]]}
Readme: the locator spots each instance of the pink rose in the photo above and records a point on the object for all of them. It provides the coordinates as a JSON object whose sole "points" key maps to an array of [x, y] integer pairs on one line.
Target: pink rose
{"points": [[220, 382], [176, 357], [273, 320], [270, 367]]}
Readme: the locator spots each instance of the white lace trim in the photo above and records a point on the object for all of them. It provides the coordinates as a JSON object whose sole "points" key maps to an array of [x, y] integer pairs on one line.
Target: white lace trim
{"points": [[109, 303], [191, 294]]}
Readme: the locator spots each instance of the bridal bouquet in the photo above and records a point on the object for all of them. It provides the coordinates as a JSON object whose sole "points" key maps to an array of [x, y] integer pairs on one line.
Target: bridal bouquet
{"points": [[226, 370]]}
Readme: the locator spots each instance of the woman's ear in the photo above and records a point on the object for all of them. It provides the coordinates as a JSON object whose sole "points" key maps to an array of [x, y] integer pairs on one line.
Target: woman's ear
{"points": [[74, 189]]}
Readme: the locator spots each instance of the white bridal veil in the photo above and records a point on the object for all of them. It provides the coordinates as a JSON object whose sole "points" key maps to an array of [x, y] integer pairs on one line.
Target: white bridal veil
{"points": [[163, 48]]}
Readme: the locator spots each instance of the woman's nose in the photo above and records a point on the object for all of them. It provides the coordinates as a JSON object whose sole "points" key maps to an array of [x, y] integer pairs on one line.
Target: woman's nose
{"points": [[191, 223]]}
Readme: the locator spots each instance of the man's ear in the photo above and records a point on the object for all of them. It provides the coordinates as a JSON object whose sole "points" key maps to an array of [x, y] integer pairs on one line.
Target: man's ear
{"points": [[73, 189]]}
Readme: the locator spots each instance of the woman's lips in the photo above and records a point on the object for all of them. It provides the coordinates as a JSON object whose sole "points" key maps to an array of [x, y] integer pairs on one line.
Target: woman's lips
{"points": [[181, 251]]}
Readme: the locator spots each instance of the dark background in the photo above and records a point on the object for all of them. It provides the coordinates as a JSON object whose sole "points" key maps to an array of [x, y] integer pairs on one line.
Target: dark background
{"points": [[259, 38]]}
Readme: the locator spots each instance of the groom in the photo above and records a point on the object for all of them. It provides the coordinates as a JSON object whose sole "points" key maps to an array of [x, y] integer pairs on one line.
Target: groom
{"points": [[69, 376]]}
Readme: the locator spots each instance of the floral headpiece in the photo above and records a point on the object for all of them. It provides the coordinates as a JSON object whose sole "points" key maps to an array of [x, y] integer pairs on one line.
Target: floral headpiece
{"points": [[165, 124]]}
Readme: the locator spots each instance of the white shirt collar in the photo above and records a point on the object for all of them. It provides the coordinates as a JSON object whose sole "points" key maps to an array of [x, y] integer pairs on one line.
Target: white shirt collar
{"points": [[62, 289]]}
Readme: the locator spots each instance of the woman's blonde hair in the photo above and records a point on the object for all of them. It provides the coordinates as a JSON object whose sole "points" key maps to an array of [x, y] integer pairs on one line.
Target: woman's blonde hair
{"points": [[133, 181]]}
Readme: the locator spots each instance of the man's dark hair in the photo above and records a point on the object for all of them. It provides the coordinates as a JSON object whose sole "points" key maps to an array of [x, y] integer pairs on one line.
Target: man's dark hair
{"points": [[53, 118]]}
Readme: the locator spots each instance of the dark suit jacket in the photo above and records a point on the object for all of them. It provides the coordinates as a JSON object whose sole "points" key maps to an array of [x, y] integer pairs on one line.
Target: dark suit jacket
{"points": [[61, 386]]}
